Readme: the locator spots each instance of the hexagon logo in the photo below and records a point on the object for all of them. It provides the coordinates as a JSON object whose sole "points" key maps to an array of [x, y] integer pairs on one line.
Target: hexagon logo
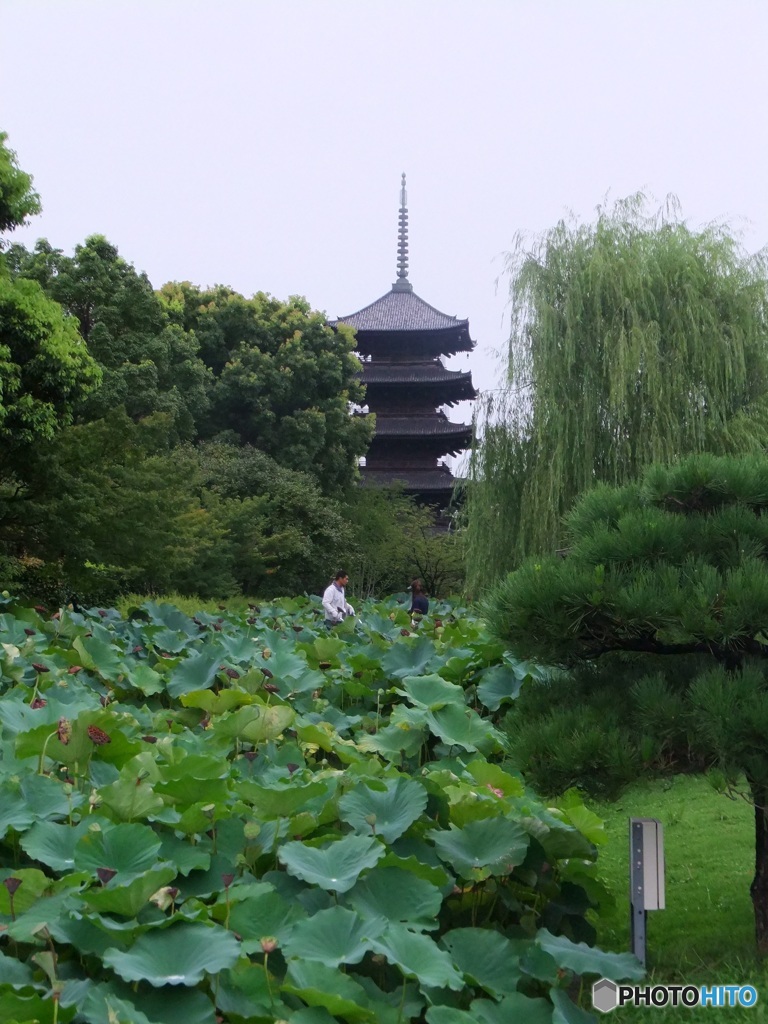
{"points": [[605, 995]]}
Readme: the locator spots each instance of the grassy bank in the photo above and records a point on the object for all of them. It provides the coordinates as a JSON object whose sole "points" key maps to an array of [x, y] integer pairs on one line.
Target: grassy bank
{"points": [[706, 934]]}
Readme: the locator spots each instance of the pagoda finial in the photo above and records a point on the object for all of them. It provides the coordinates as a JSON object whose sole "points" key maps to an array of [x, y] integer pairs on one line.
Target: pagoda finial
{"points": [[402, 284]]}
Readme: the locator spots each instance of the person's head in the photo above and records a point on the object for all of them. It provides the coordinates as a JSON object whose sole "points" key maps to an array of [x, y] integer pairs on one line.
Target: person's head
{"points": [[417, 587], [341, 578]]}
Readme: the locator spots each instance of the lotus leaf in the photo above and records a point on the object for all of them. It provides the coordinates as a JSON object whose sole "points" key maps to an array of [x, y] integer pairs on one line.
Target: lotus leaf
{"points": [[326, 649], [494, 777], [500, 684], [319, 985], [432, 692], [486, 957], [402, 738], [170, 640], [263, 914], [398, 896], [312, 1015], [127, 849], [42, 912], [418, 956], [513, 1008], [537, 963], [103, 1006], [481, 848], [92, 933], [285, 798], [172, 1005], [14, 972], [47, 798], [420, 865], [81, 745], [196, 672], [254, 724], [587, 822], [14, 812], [334, 936], [180, 955], [408, 659], [169, 615], [245, 991], [365, 657], [54, 844], [385, 808], [129, 799], [17, 716], [335, 866], [462, 727], [284, 662], [183, 763], [183, 856], [29, 1007], [449, 1015], [216, 703], [566, 1011], [128, 899], [238, 647], [33, 884], [584, 959], [99, 656]]}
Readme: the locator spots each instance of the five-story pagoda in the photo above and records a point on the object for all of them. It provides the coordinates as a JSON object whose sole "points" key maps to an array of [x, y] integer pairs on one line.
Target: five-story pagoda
{"points": [[401, 341]]}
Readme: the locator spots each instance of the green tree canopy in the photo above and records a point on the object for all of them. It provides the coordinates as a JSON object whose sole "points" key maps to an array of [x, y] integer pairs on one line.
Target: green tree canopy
{"points": [[18, 200], [45, 368], [674, 570], [115, 493], [633, 339], [394, 540], [281, 535], [148, 364], [284, 380]]}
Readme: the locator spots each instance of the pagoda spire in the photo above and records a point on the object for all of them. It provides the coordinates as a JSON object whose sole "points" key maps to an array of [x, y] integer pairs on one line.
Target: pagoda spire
{"points": [[402, 284]]}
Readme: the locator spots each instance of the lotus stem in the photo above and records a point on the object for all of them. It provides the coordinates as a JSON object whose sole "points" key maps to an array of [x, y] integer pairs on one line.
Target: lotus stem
{"points": [[43, 751], [269, 983]]}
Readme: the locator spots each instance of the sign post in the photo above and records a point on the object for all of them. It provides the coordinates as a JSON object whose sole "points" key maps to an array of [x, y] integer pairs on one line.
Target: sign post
{"points": [[646, 877]]}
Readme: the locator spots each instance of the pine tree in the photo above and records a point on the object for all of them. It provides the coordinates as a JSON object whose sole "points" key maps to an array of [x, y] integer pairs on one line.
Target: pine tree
{"points": [[675, 569]]}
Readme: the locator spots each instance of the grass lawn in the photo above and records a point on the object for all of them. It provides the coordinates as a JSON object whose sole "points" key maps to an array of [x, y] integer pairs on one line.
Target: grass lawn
{"points": [[706, 934]]}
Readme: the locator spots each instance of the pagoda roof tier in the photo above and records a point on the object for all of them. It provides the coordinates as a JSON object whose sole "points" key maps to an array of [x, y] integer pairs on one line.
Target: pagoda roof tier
{"points": [[432, 372], [401, 309], [421, 426], [421, 480], [407, 346]]}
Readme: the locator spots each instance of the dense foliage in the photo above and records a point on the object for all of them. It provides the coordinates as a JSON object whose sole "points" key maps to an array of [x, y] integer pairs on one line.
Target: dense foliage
{"points": [[633, 340], [18, 200], [244, 820], [283, 379], [665, 586]]}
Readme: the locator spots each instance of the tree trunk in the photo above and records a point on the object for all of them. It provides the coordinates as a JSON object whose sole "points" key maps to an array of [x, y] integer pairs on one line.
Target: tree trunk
{"points": [[759, 887]]}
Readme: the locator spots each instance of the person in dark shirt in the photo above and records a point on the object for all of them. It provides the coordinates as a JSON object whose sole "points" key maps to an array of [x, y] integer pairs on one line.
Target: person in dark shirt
{"points": [[419, 600]]}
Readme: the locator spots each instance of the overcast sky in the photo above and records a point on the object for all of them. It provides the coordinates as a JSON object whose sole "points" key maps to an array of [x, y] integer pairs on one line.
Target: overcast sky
{"points": [[260, 144]]}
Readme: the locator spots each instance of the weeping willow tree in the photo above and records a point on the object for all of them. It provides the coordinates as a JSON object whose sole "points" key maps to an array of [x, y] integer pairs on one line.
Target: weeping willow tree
{"points": [[633, 340]]}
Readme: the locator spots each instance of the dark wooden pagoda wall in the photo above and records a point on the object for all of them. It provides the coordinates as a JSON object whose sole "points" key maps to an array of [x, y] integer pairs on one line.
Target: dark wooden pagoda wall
{"points": [[410, 400]]}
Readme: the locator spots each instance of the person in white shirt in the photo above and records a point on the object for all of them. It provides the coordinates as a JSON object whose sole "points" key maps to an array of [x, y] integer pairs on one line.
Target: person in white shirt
{"points": [[335, 603]]}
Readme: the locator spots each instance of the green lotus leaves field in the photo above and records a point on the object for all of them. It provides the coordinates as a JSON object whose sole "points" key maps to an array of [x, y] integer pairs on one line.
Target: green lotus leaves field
{"points": [[227, 819]]}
